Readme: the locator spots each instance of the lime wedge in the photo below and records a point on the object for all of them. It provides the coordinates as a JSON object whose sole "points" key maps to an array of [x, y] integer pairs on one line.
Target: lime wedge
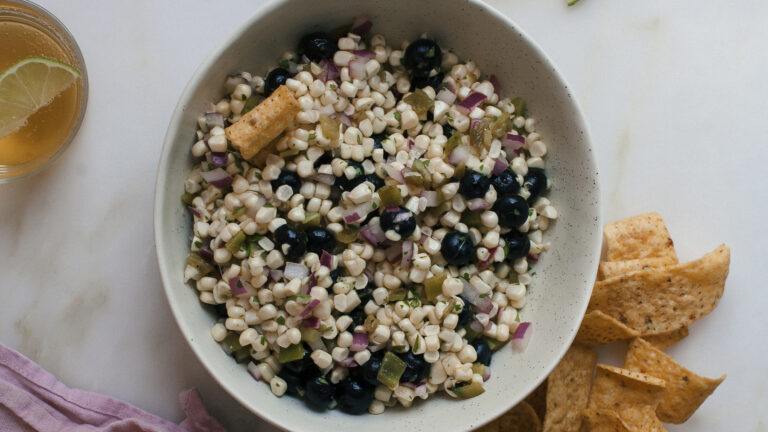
{"points": [[28, 86]]}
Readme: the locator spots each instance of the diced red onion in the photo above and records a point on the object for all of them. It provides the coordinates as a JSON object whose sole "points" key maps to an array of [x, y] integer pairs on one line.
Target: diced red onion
{"points": [[496, 84], [213, 119], [206, 253], [477, 326], [476, 204], [373, 234], [470, 102], [512, 143], [348, 362], [499, 166], [459, 155], [421, 391], [394, 173], [328, 179], [357, 68], [352, 217], [295, 270], [345, 119], [522, 336], [254, 371], [312, 322], [368, 274], [359, 342], [484, 305], [275, 275], [532, 257], [408, 250], [310, 307], [446, 96], [236, 286], [361, 26], [219, 158], [486, 263], [364, 54], [486, 373], [484, 319], [331, 71], [218, 178], [326, 259], [431, 197]]}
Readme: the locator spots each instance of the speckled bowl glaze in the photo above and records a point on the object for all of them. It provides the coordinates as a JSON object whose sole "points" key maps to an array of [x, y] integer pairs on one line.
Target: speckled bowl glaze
{"points": [[561, 288]]}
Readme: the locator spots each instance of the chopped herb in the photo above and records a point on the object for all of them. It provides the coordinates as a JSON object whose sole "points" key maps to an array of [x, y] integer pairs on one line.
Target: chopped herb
{"points": [[280, 320], [482, 167], [322, 380], [431, 52], [516, 212], [416, 344], [374, 205], [465, 276], [255, 299], [285, 64], [484, 295], [398, 348], [198, 243], [268, 205], [243, 97], [312, 135], [239, 283], [533, 274], [530, 212], [572, 2], [257, 175], [397, 116], [457, 307], [517, 318], [304, 296], [332, 85], [263, 341], [359, 140]]}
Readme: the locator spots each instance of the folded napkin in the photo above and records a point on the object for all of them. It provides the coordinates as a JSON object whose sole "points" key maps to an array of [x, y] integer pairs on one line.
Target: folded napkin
{"points": [[31, 399]]}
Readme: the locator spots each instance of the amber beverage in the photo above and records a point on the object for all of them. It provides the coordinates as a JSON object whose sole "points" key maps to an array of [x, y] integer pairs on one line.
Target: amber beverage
{"points": [[27, 30]]}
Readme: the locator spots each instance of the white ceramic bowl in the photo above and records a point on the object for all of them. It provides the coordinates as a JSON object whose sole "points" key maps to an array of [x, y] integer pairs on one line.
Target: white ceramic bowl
{"points": [[559, 294]]}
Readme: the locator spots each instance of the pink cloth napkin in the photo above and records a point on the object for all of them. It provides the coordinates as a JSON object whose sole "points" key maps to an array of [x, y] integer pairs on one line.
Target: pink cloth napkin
{"points": [[31, 399]]}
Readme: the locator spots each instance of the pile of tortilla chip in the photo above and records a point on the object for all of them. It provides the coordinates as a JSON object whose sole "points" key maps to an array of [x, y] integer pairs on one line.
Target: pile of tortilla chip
{"points": [[644, 295]]}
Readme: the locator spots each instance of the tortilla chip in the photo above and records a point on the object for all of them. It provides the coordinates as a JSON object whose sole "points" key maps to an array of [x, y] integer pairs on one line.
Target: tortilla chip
{"points": [[609, 269], [521, 418], [663, 341], [598, 328], [662, 300], [538, 399], [684, 392], [638, 237], [568, 389], [602, 420], [633, 395], [259, 126]]}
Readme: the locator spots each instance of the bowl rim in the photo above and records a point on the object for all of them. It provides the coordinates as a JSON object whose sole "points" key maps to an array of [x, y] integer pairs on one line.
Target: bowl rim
{"points": [[172, 131]]}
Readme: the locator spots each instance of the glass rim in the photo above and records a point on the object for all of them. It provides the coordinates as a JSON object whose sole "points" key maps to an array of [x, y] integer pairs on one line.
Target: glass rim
{"points": [[75, 51]]}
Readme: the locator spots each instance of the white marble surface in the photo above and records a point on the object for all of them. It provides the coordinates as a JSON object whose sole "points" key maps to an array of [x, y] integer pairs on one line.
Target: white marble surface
{"points": [[674, 92]]}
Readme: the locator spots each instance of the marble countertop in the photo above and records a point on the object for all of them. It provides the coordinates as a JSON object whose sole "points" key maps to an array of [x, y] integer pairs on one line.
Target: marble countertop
{"points": [[674, 93]]}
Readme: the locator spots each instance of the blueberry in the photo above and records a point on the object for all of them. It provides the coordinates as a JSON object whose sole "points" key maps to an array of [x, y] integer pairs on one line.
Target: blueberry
{"points": [[320, 392], [448, 130], [292, 380], [353, 396], [398, 219], [221, 310], [474, 184], [365, 293], [483, 351], [289, 178], [465, 316], [317, 46], [505, 183], [378, 139], [358, 315], [422, 56], [295, 239], [457, 248], [347, 184], [377, 181], [428, 81], [516, 244], [275, 78], [319, 240], [512, 211], [416, 367], [536, 182], [369, 371]]}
